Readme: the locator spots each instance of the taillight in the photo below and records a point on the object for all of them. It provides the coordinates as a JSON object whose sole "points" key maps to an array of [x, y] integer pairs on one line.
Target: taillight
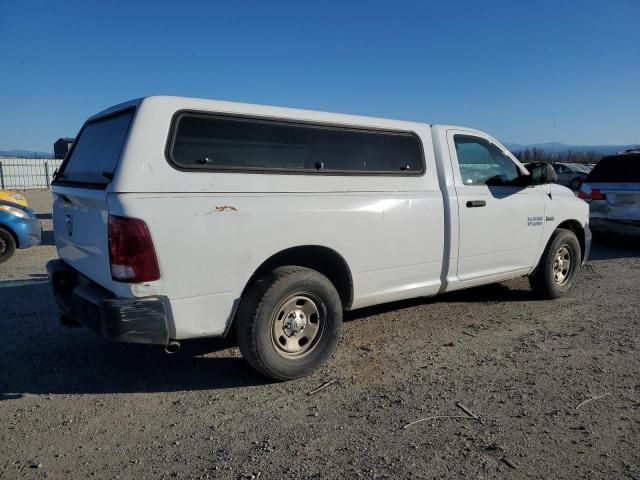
{"points": [[131, 253], [587, 193]]}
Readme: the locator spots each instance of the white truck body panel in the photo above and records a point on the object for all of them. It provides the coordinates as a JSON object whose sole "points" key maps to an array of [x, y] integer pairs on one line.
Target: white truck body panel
{"points": [[401, 236]]}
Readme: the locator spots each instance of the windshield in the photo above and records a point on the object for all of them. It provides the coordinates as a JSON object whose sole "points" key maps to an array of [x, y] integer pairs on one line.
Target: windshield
{"points": [[95, 155]]}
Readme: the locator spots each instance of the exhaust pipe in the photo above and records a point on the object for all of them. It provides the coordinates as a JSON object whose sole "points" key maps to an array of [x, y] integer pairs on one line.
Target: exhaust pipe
{"points": [[172, 347]]}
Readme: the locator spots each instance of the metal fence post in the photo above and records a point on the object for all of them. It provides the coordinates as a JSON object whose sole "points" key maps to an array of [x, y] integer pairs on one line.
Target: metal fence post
{"points": [[1, 177], [46, 172]]}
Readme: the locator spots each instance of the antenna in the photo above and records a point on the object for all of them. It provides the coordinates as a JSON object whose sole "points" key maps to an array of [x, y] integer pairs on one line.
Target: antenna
{"points": [[553, 141]]}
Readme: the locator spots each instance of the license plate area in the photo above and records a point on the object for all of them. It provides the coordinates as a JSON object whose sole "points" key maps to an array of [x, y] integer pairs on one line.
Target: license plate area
{"points": [[624, 198]]}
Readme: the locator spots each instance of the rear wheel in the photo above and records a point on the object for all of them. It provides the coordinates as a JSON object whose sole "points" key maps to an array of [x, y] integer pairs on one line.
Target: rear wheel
{"points": [[289, 322], [555, 274], [7, 245]]}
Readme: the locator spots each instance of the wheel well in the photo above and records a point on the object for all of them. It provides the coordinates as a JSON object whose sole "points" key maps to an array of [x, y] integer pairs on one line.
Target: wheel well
{"points": [[325, 260], [578, 230], [12, 233]]}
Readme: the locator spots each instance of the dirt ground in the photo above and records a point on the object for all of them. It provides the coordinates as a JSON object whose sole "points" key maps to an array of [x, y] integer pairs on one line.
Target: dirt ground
{"points": [[555, 386]]}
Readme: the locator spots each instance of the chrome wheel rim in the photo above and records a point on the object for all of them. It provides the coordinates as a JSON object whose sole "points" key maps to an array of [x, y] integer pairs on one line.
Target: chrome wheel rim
{"points": [[296, 325], [562, 265]]}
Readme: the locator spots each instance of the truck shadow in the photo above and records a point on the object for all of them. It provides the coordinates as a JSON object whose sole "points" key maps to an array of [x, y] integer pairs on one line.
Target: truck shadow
{"points": [[493, 293], [40, 356]]}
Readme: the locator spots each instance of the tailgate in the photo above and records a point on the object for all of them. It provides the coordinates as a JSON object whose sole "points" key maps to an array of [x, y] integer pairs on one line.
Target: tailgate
{"points": [[622, 201], [622, 198], [80, 227], [80, 190]]}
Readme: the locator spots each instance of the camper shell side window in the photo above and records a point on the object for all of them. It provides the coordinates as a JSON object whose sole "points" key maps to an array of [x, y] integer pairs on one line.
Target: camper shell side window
{"points": [[200, 141]]}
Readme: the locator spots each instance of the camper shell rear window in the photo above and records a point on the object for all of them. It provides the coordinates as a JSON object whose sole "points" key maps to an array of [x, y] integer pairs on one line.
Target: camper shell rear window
{"points": [[94, 156], [201, 141]]}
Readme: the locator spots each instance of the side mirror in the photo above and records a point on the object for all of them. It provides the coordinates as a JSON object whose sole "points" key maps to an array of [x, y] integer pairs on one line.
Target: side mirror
{"points": [[541, 173]]}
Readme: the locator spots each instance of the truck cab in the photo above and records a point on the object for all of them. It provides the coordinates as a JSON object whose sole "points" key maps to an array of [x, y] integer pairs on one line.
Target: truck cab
{"points": [[502, 217]]}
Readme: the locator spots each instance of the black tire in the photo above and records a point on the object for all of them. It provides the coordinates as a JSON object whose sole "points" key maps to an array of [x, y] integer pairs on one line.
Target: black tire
{"points": [[262, 308], [575, 184], [545, 278], [7, 245]]}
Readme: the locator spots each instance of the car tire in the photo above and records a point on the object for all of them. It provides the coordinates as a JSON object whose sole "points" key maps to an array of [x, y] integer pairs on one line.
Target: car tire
{"points": [[7, 245], [559, 265], [575, 184], [289, 322]]}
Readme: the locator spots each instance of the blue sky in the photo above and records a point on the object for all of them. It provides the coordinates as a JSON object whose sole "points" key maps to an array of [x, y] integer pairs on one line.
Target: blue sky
{"points": [[507, 67]]}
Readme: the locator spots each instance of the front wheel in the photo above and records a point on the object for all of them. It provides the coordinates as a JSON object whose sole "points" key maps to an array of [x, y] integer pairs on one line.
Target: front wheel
{"points": [[7, 245], [289, 322], [560, 263]]}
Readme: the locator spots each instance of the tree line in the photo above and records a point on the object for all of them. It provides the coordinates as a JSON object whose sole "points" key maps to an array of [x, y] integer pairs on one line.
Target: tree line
{"points": [[536, 154]]}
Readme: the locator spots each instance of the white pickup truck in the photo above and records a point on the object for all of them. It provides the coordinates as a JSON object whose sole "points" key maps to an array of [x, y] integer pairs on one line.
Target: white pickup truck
{"points": [[177, 218]]}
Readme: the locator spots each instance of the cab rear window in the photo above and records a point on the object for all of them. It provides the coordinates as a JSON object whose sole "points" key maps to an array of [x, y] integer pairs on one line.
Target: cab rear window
{"points": [[95, 154]]}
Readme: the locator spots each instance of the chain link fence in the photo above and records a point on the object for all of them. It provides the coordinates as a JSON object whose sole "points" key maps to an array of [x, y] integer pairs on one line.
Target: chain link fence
{"points": [[27, 173]]}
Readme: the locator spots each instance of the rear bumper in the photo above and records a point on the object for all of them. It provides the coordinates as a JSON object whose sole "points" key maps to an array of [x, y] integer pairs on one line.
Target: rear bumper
{"points": [[132, 320], [619, 227]]}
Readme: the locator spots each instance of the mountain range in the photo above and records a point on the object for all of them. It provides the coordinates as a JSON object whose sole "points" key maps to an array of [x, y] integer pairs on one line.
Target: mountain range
{"points": [[556, 147], [25, 154]]}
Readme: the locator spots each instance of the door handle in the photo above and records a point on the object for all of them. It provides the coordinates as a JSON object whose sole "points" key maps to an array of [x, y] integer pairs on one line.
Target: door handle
{"points": [[476, 203]]}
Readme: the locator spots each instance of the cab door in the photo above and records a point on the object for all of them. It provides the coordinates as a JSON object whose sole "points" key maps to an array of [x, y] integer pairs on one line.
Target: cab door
{"points": [[500, 221]]}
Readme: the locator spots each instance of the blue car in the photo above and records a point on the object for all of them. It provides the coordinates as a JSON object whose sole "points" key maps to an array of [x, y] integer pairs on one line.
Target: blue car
{"points": [[19, 228]]}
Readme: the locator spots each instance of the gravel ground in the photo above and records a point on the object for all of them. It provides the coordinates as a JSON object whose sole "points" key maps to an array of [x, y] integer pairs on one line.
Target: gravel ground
{"points": [[555, 386]]}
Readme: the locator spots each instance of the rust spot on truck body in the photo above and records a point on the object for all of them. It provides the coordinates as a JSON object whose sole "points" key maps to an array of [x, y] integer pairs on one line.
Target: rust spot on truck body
{"points": [[224, 208]]}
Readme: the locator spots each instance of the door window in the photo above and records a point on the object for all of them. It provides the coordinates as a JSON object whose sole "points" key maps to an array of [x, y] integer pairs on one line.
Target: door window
{"points": [[482, 163]]}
